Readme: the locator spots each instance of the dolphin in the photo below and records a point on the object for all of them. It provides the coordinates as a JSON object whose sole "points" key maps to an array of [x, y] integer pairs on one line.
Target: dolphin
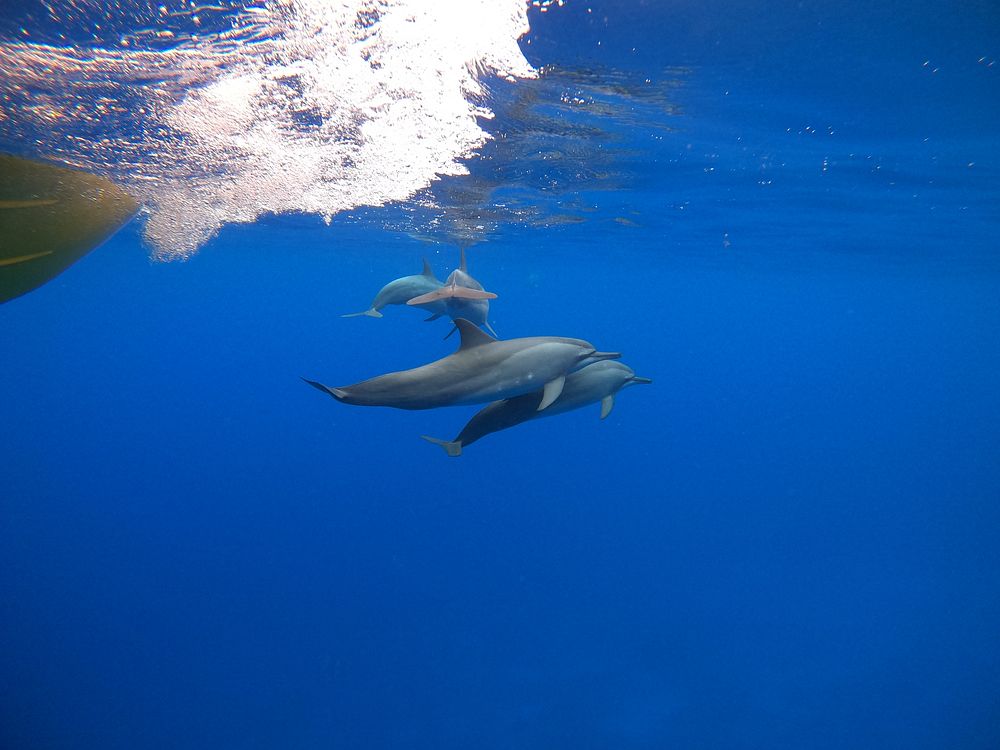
{"points": [[399, 291], [597, 381], [464, 296], [482, 369]]}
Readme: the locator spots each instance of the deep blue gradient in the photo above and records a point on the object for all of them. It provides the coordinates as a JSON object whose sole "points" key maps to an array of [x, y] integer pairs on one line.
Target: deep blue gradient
{"points": [[790, 540]]}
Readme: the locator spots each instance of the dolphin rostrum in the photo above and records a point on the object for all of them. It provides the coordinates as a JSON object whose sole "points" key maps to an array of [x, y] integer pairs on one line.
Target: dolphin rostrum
{"points": [[482, 369], [402, 290], [596, 382], [464, 296]]}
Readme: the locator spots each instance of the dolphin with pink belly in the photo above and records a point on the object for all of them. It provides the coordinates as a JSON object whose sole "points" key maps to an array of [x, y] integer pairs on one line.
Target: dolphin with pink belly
{"points": [[483, 369], [464, 296], [597, 382]]}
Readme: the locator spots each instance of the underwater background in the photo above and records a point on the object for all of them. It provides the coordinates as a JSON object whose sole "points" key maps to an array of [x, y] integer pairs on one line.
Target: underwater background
{"points": [[783, 213]]}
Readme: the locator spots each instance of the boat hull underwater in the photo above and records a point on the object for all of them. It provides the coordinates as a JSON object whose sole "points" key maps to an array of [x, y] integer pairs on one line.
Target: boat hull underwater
{"points": [[50, 217]]}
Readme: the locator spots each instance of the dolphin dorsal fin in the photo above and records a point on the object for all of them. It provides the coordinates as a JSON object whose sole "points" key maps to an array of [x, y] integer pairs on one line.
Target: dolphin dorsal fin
{"points": [[472, 335], [427, 269]]}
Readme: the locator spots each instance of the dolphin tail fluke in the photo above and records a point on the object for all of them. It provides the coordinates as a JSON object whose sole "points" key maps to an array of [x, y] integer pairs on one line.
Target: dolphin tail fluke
{"points": [[451, 292], [451, 447], [641, 381], [337, 393], [371, 312]]}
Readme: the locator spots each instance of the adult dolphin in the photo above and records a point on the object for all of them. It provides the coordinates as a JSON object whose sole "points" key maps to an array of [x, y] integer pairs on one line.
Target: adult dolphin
{"points": [[597, 382], [464, 296], [400, 291], [482, 369]]}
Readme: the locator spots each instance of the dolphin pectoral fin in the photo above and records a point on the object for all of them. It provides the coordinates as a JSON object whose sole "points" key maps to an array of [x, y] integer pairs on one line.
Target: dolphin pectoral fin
{"points": [[370, 313], [451, 447], [490, 329], [451, 292], [423, 299], [464, 292], [337, 393], [641, 381], [435, 316], [461, 263], [552, 390], [427, 269], [607, 404], [472, 335], [453, 329]]}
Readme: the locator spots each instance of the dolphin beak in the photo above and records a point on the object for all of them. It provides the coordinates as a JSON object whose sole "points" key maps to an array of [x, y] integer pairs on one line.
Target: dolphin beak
{"points": [[599, 356], [641, 381]]}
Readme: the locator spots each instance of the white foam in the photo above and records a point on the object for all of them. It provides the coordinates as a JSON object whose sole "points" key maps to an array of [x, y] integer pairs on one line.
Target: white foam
{"points": [[315, 106]]}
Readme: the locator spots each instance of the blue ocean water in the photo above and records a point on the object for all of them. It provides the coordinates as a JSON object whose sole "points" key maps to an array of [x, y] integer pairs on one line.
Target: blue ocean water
{"points": [[789, 540]]}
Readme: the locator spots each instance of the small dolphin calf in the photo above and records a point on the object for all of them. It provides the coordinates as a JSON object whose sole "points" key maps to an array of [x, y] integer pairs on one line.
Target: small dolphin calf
{"points": [[483, 369], [465, 297], [595, 382], [401, 291]]}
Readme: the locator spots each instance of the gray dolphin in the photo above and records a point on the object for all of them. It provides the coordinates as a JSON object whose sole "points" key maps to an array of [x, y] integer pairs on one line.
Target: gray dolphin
{"points": [[598, 381], [465, 297], [400, 291], [482, 369]]}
